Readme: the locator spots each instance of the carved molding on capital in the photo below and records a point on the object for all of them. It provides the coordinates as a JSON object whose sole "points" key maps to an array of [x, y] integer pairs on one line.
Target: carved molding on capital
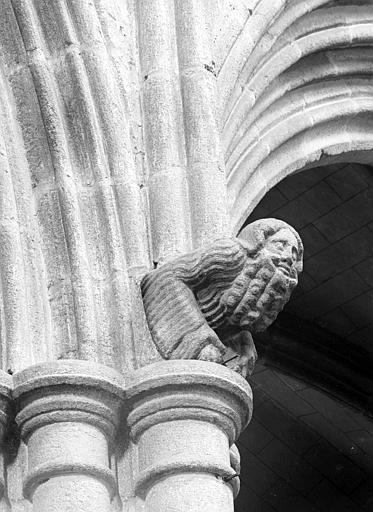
{"points": [[184, 390], [177, 407], [68, 414], [68, 390]]}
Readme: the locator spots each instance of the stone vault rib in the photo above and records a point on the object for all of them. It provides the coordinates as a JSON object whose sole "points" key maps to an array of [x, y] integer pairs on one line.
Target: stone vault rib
{"points": [[89, 230]]}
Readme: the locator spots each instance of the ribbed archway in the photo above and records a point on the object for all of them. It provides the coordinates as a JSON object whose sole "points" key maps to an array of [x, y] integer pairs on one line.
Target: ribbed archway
{"points": [[295, 92]]}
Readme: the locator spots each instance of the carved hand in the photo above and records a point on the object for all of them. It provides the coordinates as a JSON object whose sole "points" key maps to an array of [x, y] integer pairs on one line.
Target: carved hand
{"points": [[212, 349], [243, 344]]}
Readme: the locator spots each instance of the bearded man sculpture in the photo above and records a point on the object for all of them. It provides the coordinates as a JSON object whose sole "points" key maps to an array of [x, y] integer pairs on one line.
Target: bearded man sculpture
{"points": [[206, 304]]}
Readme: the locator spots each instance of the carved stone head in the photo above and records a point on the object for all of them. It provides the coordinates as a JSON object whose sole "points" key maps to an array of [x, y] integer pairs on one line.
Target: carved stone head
{"points": [[274, 260], [278, 238]]}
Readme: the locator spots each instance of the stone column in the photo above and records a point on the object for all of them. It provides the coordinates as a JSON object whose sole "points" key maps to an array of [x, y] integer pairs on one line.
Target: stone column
{"points": [[184, 417], [5, 412], [68, 414]]}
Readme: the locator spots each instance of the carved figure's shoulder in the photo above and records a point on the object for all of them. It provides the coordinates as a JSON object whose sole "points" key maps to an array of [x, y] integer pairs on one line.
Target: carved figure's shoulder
{"points": [[224, 254], [176, 294]]}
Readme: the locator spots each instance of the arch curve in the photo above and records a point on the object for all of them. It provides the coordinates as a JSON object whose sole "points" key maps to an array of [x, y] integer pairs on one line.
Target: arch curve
{"points": [[299, 93], [327, 143]]}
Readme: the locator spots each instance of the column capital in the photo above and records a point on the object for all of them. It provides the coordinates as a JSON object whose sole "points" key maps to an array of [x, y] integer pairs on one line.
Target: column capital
{"points": [[188, 389], [184, 416], [68, 390], [68, 414]]}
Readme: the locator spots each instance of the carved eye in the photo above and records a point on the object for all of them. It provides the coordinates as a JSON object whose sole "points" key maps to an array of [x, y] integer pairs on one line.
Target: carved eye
{"points": [[279, 245]]}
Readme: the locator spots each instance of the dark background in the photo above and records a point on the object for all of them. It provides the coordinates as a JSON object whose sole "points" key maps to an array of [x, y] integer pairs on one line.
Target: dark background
{"points": [[309, 446]]}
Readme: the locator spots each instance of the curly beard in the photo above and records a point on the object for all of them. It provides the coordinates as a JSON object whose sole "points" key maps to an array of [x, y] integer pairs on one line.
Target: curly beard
{"points": [[258, 294]]}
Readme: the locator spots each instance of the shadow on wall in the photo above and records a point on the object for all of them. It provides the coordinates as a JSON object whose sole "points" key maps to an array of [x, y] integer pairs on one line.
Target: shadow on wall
{"points": [[304, 450]]}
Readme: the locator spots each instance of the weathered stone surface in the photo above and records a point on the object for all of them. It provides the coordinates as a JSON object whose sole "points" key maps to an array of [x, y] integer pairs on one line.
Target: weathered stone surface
{"points": [[70, 142], [214, 298], [68, 414], [287, 79], [184, 416]]}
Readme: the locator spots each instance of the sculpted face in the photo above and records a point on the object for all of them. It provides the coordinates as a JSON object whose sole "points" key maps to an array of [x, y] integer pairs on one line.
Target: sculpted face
{"points": [[282, 249], [265, 284]]}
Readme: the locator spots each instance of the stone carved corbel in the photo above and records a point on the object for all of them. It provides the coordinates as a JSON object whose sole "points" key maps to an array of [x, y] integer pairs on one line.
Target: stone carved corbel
{"points": [[206, 304]]}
